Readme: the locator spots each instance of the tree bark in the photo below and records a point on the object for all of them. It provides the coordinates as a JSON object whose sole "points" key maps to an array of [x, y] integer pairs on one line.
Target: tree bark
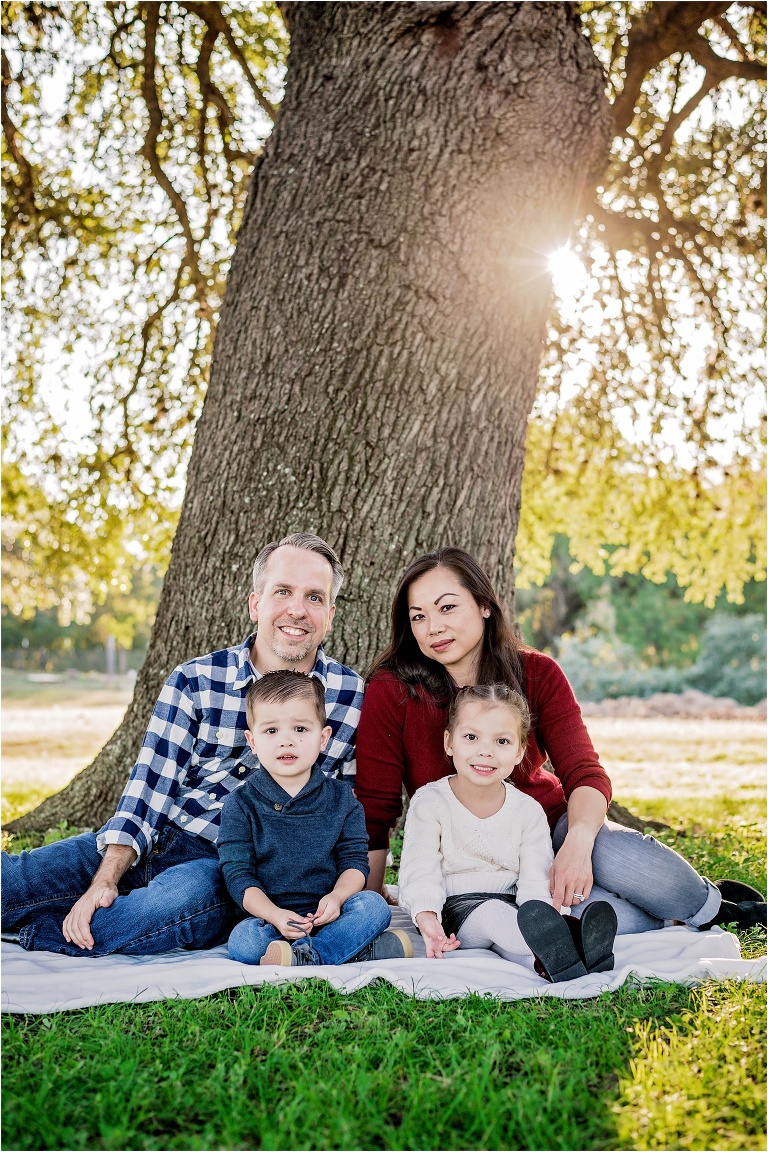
{"points": [[378, 350]]}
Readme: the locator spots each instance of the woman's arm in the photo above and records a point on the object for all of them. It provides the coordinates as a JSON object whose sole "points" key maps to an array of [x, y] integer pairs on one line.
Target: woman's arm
{"points": [[572, 868], [377, 863], [380, 768], [562, 735]]}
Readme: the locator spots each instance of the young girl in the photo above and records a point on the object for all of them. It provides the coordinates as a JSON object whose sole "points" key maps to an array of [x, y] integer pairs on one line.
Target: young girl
{"points": [[477, 852]]}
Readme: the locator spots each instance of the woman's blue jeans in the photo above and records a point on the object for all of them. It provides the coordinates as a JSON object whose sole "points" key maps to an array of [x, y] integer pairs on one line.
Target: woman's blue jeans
{"points": [[174, 897], [364, 916], [646, 883]]}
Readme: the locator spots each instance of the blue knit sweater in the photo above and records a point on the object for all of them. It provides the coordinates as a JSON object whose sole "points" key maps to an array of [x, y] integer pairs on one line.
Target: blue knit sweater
{"points": [[294, 848]]}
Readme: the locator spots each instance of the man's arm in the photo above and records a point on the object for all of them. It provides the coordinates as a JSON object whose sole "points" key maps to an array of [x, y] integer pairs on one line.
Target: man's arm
{"points": [[154, 782], [102, 892], [144, 805]]}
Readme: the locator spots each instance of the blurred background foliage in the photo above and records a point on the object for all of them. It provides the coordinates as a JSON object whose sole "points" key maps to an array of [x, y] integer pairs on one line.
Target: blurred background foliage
{"points": [[130, 131]]}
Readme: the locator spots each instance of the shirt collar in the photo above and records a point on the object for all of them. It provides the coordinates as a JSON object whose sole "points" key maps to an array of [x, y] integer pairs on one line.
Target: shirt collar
{"points": [[271, 790], [247, 674]]}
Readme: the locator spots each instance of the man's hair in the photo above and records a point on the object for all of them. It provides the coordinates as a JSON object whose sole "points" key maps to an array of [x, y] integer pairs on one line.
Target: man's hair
{"points": [[310, 543], [491, 694], [278, 687]]}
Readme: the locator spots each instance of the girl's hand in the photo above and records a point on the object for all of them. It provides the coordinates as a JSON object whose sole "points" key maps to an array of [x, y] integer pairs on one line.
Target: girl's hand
{"points": [[571, 872], [435, 940]]}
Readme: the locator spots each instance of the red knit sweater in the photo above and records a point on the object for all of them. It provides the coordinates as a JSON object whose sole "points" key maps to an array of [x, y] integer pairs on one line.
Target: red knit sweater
{"points": [[400, 743]]}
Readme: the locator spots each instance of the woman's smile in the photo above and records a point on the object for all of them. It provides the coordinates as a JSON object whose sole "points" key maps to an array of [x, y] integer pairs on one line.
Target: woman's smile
{"points": [[437, 602]]}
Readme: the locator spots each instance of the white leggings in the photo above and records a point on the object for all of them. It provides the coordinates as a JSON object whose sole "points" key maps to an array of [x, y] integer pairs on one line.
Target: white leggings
{"points": [[494, 925]]}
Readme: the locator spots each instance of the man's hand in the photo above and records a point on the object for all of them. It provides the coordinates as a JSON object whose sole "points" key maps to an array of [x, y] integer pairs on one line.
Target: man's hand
{"points": [[101, 893], [435, 940], [571, 872], [76, 927], [328, 910], [291, 925]]}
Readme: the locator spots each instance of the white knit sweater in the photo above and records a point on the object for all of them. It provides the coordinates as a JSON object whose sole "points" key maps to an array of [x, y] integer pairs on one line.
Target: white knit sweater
{"points": [[448, 851]]}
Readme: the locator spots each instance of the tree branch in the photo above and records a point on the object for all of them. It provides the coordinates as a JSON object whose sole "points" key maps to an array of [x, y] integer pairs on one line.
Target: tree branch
{"points": [[149, 151], [214, 18], [665, 28], [26, 188]]}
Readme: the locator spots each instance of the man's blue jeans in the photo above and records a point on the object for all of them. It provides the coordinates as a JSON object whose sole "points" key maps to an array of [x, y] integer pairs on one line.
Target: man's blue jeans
{"points": [[174, 897], [363, 917], [645, 882]]}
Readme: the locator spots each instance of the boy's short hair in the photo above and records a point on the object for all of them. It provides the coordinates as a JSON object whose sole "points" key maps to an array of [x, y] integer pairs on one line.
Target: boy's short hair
{"points": [[285, 684], [491, 694]]}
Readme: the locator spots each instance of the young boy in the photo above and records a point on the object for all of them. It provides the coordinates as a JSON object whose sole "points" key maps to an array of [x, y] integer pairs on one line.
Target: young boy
{"points": [[293, 845]]}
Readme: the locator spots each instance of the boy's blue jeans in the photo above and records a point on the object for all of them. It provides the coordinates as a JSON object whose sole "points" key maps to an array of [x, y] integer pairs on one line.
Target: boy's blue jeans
{"points": [[174, 897], [363, 917]]}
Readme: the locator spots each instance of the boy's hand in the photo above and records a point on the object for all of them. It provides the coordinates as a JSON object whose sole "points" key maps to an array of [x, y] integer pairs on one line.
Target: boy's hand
{"points": [[435, 940], [291, 926], [328, 910], [76, 926]]}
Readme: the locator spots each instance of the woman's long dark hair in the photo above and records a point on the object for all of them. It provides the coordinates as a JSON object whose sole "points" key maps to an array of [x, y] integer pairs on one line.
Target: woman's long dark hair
{"points": [[500, 661]]}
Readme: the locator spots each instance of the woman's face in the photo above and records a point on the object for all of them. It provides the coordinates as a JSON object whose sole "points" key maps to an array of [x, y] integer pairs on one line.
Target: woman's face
{"points": [[447, 623]]}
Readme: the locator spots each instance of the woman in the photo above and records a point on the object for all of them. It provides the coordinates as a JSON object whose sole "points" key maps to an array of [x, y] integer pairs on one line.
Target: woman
{"points": [[449, 630]]}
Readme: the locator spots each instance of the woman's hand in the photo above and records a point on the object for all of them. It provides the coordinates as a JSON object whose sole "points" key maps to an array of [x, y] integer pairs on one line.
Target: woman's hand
{"points": [[435, 940], [571, 872]]}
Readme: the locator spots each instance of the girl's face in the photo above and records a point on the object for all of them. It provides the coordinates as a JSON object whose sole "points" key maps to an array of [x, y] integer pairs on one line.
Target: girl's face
{"points": [[485, 742], [447, 623]]}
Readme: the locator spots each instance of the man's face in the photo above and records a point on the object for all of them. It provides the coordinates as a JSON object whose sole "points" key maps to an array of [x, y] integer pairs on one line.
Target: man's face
{"points": [[293, 609]]}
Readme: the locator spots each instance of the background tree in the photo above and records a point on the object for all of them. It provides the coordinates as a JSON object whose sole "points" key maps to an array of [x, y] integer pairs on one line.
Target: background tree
{"points": [[384, 307]]}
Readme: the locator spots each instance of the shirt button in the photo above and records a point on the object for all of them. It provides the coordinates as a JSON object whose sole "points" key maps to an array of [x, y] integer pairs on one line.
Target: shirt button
{"points": [[278, 807], [211, 795], [241, 769], [184, 819]]}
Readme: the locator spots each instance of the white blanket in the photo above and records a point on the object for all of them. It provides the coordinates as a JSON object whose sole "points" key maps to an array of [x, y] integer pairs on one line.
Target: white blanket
{"points": [[46, 982]]}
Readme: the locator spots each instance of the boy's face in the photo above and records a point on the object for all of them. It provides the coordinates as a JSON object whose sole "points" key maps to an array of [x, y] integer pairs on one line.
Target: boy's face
{"points": [[485, 743], [288, 737]]}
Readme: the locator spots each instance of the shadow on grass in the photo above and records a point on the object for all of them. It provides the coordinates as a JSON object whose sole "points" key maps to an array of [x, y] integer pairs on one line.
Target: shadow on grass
{"points": [[305, 1067]]}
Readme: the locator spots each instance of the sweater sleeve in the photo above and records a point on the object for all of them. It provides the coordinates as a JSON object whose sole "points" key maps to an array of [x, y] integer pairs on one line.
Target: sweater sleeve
{"points": [[560, 729], [237, 854], [421, 885], [381, 757], [536, 856], [351, 849]]}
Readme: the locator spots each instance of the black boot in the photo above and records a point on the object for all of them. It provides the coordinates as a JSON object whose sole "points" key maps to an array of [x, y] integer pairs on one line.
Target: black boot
{"points": [[593, 935], [546, 934], [737, 892], [745, 914]]}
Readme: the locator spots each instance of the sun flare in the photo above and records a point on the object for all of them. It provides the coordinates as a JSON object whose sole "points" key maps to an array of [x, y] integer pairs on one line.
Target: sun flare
{"points": [[569, 275]]}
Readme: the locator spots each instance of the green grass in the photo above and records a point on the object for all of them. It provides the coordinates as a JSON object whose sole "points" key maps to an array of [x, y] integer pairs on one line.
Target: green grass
{"points": [[79, 688], [658, 1066], [306, 1067]]}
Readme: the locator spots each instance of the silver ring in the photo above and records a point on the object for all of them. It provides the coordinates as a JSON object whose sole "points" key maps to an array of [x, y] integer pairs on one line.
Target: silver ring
{"points": [[578, 895]]}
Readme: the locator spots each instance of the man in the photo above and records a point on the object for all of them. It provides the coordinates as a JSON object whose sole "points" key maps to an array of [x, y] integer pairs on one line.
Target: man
{"points": [[150, 879]]}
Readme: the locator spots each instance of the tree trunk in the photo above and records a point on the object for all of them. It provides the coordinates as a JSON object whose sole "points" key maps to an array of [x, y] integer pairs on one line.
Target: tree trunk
{"points": [[378, 351]]}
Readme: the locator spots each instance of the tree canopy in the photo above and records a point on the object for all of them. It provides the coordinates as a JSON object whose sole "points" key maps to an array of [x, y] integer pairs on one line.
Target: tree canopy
{"points": [[130, 130]]}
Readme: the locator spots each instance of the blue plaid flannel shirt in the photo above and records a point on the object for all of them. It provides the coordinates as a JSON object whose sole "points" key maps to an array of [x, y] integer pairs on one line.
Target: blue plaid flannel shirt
{"points": [[194, 752]]}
